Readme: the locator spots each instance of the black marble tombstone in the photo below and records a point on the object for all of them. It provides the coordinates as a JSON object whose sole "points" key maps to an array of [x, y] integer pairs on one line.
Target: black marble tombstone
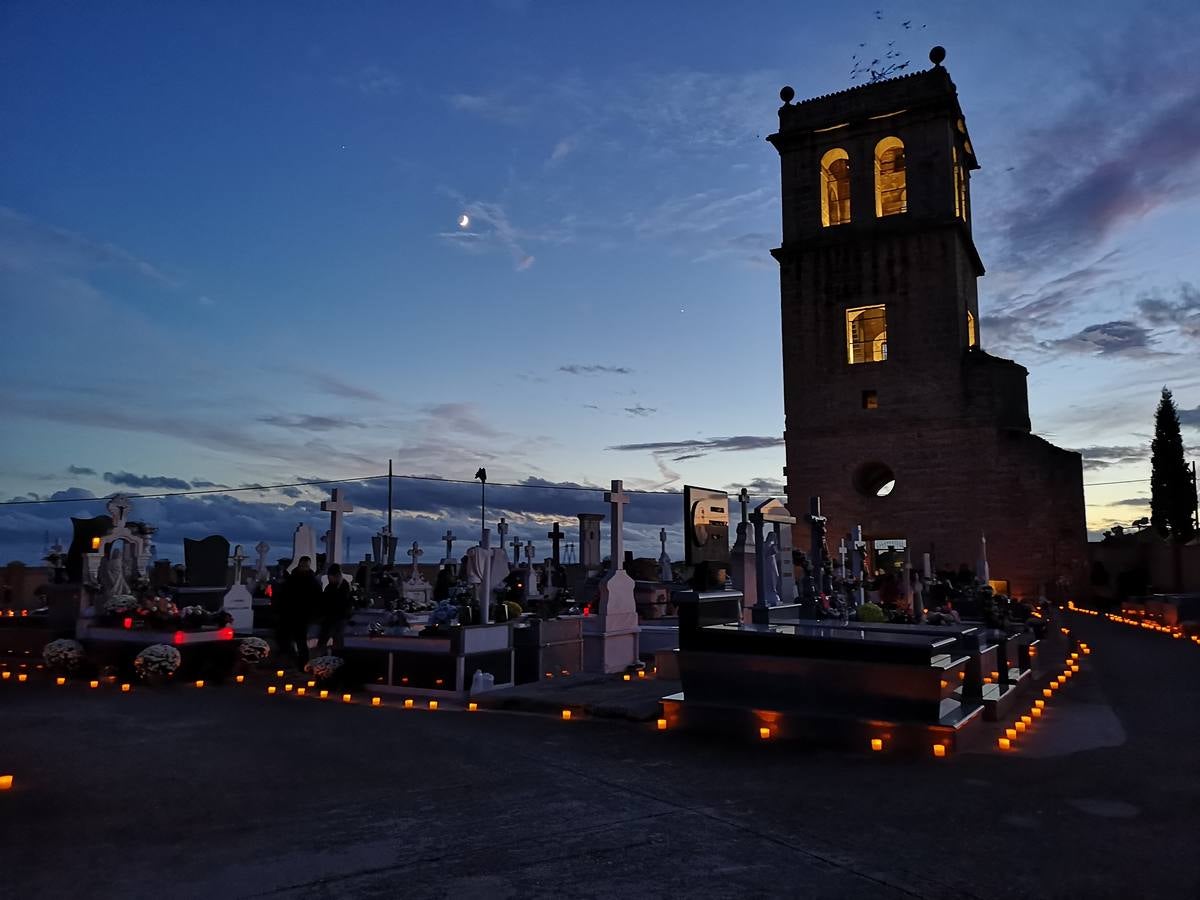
{"points": [[706, 536], [207, 563], [84, 532]]}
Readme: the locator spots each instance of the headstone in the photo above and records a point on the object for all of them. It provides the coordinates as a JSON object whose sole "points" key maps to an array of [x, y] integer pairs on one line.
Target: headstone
{"points": [[207, 562], [238, 601], [531, 576], [665, 573], [449, 538], [610, 637], [261, 574], [706, 536], [383, 545], [743, 567], [502, 531], [415, 552], [515, 543], [982, 573], [304, 543], [589, 541], [336, 506]]}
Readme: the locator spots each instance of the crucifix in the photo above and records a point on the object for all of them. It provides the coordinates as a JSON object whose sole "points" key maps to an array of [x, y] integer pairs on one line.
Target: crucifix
{"points": [[529, 551], [416, 553], [336, 506], [238, 558], [502, 530], [515, 543], [744, 499], [262, 548], [617, 498], [118, 508], [555, 536], [449, 538], [842, 551]]}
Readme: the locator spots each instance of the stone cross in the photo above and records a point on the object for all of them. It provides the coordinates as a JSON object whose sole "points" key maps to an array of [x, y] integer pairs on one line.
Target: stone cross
{"points": [[449, 538], [118, 509], [858, 556], [662, 539], [262, 548], [555, 536], [238, 558], [336, 506], [616, 499], [502, 530], [529, 551], [744, 499], [570, 552], [515, 543], [416, 553], [842, 551]]}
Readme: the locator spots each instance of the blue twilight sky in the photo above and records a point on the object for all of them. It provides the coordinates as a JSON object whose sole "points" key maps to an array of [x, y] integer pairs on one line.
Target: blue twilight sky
{"points": [[230, 249]]}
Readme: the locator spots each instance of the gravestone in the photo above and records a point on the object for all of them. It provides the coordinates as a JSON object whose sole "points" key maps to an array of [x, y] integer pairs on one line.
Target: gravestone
{"points": [[589, 541], [383, 545], [304, 543], [238, 601], [502, 531], [610, 637], [415, 588], [706, 536], [556, 537], [531, 576], [858, 556], [775, 578], [665, 573], [206, 562], [261, 574], [743, 567]]}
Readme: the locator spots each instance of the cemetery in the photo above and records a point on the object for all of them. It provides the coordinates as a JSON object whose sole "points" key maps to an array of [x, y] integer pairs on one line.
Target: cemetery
{"points": [[883, 676]]}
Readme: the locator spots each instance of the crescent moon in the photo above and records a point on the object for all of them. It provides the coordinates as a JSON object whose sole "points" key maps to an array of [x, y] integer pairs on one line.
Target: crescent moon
{"points": [[464, 220]]}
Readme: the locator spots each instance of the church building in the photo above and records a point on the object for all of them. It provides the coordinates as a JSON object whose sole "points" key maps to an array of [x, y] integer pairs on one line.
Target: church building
{"points": [[895, 415]]}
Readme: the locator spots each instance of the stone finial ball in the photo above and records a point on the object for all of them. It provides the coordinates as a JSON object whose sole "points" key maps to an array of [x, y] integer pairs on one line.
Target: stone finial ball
{"points": [[937, 55], [786, 94]]}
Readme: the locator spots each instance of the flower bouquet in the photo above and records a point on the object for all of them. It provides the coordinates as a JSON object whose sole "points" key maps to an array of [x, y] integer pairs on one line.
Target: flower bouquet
{"points": [[63, 655], [253, 651], [120, 605], [323, 668], [157, 663], [193, 616]]}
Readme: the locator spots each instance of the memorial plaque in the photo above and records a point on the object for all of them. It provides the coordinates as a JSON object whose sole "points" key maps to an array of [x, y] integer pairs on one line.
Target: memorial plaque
{"points": [[706, 525]]}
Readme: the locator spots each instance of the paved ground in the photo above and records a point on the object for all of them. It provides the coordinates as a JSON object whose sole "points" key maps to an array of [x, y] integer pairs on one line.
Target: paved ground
{"points": [[228, 793]]}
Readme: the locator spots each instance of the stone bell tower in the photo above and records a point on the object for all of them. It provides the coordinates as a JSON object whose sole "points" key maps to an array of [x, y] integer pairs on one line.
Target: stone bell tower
{"points": [[894, 413]]}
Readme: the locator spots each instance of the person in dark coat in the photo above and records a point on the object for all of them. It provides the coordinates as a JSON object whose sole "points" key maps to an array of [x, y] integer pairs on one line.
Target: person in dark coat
{"points": [[301, 594], [335, 610]]}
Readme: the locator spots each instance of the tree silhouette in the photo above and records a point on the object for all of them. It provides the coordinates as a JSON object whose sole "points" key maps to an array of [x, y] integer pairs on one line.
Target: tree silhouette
{"points": [[1172, 490]]}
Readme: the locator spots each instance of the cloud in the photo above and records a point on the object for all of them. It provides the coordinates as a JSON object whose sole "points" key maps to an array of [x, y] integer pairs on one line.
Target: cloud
{"points": [[1181, 313], [495, 106], [80, 470], [640, 410], [375, 80], [1190, 418], [723, 444], [331, 384], [1132, 501], [310, 422], [761, 487], [128, 479], [561, 151], [26, 244], [1102, 457], [580, 369], [463, 418], [1106, 339]]}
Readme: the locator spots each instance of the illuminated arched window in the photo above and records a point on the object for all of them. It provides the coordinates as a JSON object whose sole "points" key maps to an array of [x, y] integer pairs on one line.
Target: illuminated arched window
{"points": [[972, 335], [960, 187], [835, 187], [891, 189]]}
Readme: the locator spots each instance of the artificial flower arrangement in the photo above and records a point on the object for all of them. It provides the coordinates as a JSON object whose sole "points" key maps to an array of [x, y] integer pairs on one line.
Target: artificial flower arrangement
{"points": [[120, 604], [63, 655], [157, 661], [159, 612], [322, 668], [254, 650], [444, 614]]}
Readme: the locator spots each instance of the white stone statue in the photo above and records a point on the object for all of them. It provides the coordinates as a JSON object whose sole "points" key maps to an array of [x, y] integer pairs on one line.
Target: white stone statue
{"points": [[114, 574], [771, 568]]}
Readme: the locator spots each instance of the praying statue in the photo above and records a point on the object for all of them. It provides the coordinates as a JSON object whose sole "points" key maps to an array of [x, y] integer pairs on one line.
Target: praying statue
{"points": [[112, 577], [770, 571]]}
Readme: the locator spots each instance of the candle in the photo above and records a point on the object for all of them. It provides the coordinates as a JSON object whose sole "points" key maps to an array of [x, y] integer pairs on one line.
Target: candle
{"points": [[433, 704], [271, 689], [126, 688], [22, 677], [927, 565], [375, 701], [6, 675], [662, 724], [626, 677], [300, 692], [408, 704], [641, 673], [876, 744], [1004, 743], [93, 684], [60, 681], [312, 684], [345, 698], [566, 714], [288, 687], [240, 678], [764, 732], [472, 706], [324, 695], [200, 682], [1010, 733], [6, 782], [939, 750], [1037, 712], [1021, 727], [279, 673]]}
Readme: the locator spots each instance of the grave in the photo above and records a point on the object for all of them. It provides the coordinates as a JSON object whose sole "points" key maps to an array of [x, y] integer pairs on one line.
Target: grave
{"points": [[207, 565], [238, 600], [610, 634], [335, 545], [415, 590], [304, 543]]}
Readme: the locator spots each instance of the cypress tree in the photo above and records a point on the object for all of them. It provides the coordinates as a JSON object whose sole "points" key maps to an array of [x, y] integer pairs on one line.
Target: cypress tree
{"points": [[1172, 491]]}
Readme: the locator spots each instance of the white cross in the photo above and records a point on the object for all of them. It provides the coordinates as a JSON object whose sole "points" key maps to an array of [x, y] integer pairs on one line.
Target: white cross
{"points": [[416, 553], [336, 507], [502, 530], [449, 538], [118, 508], [842, 551], [617, 500]]}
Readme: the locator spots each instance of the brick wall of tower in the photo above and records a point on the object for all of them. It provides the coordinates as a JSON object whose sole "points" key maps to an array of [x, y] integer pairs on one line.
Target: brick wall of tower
{"points": [[954, 482]]}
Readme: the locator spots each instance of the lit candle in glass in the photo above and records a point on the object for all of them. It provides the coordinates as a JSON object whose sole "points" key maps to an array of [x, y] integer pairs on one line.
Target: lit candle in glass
{"points": [[60, 681], [566, 714], [472, 706], [939, 750], [662, 724], [126, 688], [876, 744], [271, 689], [408, 704], [375, 701], [345, 698], [433, 704]]}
